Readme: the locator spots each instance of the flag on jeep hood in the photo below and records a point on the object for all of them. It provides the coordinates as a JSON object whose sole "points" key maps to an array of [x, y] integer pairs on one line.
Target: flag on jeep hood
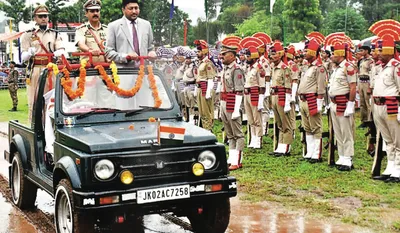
{"points": [[171, 134]]}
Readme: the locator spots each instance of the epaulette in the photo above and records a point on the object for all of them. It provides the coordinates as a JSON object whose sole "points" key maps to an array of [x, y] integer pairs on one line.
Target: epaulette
{"points": [[81, 26], [284, 66], [31, 30], [319, 63], [104, 25], [395, 63], [350, 68]]}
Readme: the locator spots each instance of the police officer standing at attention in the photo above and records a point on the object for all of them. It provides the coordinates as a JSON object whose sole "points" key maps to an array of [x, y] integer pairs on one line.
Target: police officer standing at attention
{"points": [[39, 40], [13, 86], [231, 99], [364, 89], [342, 92]]}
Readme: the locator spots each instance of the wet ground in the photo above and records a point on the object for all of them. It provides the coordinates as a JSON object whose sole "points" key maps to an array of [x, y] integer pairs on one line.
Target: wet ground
{"points": [[245, 218]]}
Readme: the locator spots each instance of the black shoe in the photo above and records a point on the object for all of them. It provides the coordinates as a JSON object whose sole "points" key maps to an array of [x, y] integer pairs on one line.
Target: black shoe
{"points": [[362, 126], [315, 160], [271, 153], [304, 159], [392, 180], [381, 177], [281, 154], [14, 109], [344, 168]]}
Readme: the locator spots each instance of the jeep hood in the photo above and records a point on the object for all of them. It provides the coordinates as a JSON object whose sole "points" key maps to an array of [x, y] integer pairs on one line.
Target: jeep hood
{"points": [[127, 136]]}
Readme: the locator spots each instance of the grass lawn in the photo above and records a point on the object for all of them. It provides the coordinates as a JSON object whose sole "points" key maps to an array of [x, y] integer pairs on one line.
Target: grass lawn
{"points": [[351, 197], [6, 104]]}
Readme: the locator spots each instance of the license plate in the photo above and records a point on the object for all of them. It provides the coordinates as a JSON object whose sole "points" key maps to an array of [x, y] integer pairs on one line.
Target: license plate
{"points": [[163, 194]]}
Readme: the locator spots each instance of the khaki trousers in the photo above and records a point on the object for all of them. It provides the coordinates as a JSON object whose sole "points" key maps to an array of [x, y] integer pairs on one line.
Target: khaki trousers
{"points": [[233, 129], [344, 132], [33, 88], [312, 124], [284, 121], [206, 109], [390, 130], [365, 106], [254, 119]]}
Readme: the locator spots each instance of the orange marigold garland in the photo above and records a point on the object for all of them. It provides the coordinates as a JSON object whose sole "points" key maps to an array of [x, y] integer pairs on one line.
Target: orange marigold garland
{"points": [[51, 68], [66, 82], [153, 86]]}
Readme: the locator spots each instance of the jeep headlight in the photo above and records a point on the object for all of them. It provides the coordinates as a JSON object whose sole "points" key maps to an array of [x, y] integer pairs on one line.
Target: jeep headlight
{"points": [[104, 169], [208, 159]]}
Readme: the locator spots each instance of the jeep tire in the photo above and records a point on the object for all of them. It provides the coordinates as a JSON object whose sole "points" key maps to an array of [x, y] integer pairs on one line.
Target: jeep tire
{"points": [[214, 217], [65, 217], [23, 191]]}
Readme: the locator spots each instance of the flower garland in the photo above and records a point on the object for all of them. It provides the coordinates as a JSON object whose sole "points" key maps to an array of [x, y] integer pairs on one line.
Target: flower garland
{"points": [[114, 71], [153, 86], [52, 68], [66, 82]]}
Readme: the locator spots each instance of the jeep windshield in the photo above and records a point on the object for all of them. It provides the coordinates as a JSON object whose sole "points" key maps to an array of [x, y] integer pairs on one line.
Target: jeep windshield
{"points": [[99, 97]]}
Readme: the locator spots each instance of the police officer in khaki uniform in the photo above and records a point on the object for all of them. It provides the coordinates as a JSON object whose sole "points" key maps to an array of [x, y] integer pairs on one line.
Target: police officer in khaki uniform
{"points": [[281, 89], [296, 73], [39, 40], [205, 82], [91, 37], [342, 92], [232, 86], [13, 86], [189, 81], [364, 89], [386, 112], [311, 93]]}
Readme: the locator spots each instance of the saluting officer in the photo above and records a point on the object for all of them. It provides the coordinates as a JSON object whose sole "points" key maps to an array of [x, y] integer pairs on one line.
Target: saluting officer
{"points": [[311, 92], [342, 92], [205, 81], [232, 86], [39, 40]]}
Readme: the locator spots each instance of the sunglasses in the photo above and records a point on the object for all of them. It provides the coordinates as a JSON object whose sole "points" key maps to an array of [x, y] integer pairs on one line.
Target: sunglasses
{"points": [[94, 10], [42, 16]]}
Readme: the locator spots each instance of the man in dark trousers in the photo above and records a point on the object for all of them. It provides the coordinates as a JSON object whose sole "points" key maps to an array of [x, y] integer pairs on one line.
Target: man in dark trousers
{"points": [[13, 86]]}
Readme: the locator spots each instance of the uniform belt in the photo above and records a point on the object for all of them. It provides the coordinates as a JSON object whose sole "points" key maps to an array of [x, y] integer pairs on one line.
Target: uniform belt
{"points": [[381, 100], [333, 98], [224, 95], [303, 97], [42, 62], [275, 90], [247, 91], [364, 78], [189, 83]]}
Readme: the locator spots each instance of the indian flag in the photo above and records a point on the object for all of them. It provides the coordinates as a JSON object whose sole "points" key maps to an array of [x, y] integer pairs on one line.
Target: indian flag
{"points": [[169, 134]]}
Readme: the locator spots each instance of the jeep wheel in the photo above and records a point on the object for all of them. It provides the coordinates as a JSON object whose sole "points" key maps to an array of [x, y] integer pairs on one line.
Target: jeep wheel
{"points": [[214, 218], [66, 220], [23, 191]]}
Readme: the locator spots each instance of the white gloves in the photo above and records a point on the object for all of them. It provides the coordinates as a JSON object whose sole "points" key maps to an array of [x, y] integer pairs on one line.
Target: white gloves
{"points": [[218, 87], [267, 89], [288, 98], [294, 91], [173, 88], [320, 102], [210, 85], [25, 56], [236, 110], [260, 105], [398, 115], [349, 109], [60, 52]]}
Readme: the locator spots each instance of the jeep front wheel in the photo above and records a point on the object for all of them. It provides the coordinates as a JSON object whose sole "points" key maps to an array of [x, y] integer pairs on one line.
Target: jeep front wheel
{"points": [[23, 191], [66, 219], [213, 218]]}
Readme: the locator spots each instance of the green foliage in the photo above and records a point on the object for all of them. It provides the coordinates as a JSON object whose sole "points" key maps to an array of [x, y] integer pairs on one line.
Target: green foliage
{"points": [[356, 27], [200, 31], [55, 10], [233, 15], [374, 10], [259, 22], [17, 10], [111, 10], [302, 20]]}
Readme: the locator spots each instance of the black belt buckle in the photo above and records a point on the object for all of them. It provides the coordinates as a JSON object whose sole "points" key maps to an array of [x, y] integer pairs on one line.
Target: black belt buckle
{"points": [[380, 100]]}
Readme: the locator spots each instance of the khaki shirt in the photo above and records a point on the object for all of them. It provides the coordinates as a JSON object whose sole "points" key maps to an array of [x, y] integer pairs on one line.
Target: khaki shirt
{"points": [[281, 76], [387, 82], [295, 70], [376, 68], [83, 35], [188, 74], [50, 39], [254, 77], [314, 79], [366, 66], [340, 80], [265, 65], [328, 65], [206, 70], [179, 72], [232, 78]]}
